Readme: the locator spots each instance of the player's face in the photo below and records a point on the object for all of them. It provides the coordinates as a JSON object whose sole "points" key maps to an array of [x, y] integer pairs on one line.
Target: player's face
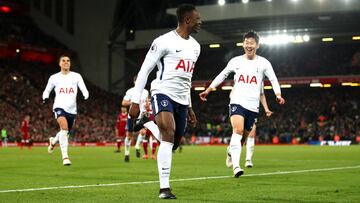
{"points": [[64, 63], [123, 110], [250, 47], [194, 21]]}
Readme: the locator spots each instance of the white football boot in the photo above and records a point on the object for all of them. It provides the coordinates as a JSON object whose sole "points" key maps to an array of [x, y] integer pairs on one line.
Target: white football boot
{"points": [[66, 162], [238, 172], [51, 145], [248, 164], [228, 161]]}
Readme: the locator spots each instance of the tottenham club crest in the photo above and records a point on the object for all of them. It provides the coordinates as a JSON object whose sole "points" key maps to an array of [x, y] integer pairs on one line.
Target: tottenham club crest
{"points": [[233, 109], [164, 103]]}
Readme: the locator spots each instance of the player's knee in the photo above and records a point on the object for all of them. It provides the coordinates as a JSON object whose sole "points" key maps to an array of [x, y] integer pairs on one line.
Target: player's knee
{"points": [[167, 134], [239, 131]]}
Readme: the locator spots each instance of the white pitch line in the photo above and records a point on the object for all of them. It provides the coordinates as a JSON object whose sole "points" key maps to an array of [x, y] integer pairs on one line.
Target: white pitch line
{"points": [[178, 180]]}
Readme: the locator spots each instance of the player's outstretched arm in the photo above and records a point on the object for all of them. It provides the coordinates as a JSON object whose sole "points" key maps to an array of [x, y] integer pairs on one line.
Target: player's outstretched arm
{"points": [[83, 88], [49, 87], [265, 105], [204, 94]]}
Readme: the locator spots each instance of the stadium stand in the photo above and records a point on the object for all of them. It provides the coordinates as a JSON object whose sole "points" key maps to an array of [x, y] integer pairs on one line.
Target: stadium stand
{"points": [[335, 111], [24, 74]]}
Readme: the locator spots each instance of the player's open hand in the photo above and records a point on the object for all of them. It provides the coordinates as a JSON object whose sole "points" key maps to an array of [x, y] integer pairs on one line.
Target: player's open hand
{"points": [[134, 110], [203, 95]]}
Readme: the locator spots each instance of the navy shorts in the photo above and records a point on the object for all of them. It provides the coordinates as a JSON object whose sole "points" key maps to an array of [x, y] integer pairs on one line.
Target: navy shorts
{"points": [[250, 117], [130, 125], [70, 118], [161, 102]]}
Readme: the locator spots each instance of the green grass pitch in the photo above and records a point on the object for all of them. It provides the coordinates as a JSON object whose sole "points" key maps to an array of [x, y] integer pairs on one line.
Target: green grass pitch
{"points": [[280, 174]]}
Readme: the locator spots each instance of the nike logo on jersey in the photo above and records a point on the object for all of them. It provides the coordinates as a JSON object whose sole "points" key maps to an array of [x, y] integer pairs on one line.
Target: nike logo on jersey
{"points": [[178, 50]]}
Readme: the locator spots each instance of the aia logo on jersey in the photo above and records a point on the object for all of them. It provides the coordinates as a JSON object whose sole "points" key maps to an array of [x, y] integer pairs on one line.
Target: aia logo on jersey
{"points": [[247, 79], [186, 65], [67, 90]]}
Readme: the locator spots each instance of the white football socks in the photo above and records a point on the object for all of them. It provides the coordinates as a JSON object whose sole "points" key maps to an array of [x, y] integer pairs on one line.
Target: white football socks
{"points": [[164, 158], [153, 129], [56, 138], [127, 146], [235, 149], [139, 141], [63, 140], [250, 143]]}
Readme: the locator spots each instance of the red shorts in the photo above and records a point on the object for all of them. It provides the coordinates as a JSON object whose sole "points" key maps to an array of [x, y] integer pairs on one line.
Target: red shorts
{"points": [[121, 133]]}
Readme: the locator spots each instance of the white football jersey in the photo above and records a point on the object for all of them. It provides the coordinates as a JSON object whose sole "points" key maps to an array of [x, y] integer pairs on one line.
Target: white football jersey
{"points": [[144, 96], [175, 58], [66, 88], [248, 80]]}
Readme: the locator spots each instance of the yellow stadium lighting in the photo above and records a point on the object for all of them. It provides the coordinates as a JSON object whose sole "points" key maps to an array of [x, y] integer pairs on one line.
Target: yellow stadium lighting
{"points": [[355, 84], [285, 86], [239, 44], [199, 88], [356, 38], [226, 87], [268, 87], [316, 85], [327, 85], [327, 39], [214, 45], [346, 83]]}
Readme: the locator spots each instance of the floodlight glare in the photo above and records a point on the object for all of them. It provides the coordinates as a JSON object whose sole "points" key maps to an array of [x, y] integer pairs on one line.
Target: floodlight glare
{"points": [[221, 2]]}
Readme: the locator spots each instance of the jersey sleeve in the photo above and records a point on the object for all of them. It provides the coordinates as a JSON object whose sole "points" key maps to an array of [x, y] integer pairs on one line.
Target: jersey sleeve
{"points": [[49, 87], [223, 75], [270, 74], [156, 51], [128, 94], [83, 88], [262, 88]]}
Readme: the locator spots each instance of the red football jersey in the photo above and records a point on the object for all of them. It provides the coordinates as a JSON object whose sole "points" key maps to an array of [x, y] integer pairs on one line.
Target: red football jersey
{"points": [[25, 129], [121, 124]]}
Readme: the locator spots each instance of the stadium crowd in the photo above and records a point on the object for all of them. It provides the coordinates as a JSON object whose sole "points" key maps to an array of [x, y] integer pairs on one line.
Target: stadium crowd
{"points": [[289, 61], [20, 94], [309, 114]]}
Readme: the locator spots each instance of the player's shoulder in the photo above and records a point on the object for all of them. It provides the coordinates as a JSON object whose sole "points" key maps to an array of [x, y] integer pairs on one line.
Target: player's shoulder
{"points": [[55, 75], [193, 40], [75, 74], [263, 60], [164, 38], [236, 59]]}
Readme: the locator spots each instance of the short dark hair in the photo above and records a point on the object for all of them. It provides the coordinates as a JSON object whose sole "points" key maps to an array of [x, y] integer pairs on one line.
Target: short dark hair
{"points": [[251, 34], [183, 10], [64, 55]]}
